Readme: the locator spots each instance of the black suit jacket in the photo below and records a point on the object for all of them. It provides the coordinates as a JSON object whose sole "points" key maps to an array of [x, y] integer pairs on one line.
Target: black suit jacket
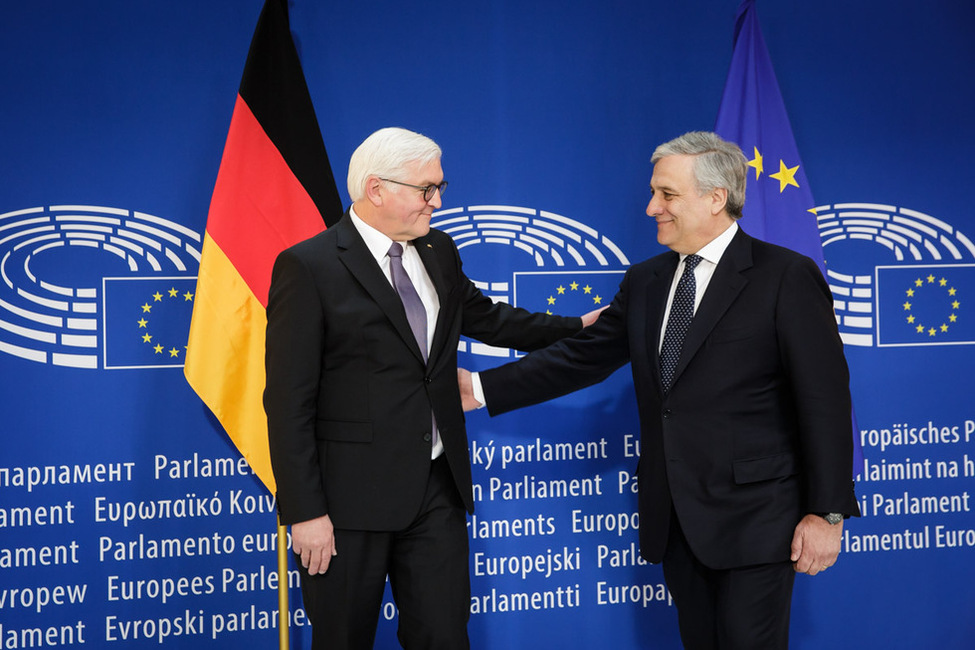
{"points": [[756, 430], [348, 396]]}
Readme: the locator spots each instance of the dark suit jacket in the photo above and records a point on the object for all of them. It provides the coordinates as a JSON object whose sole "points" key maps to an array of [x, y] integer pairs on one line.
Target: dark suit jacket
{"points": [[756, 430], [348, 396]]}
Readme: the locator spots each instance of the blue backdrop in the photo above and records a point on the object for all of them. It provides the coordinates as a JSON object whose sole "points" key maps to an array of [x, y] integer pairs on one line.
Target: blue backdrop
{"points": [[124, 516]]}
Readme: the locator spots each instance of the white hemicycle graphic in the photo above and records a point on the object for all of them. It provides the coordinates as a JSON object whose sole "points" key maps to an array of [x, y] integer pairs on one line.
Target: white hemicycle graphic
{"points": [[549, 241], [60, 320], [906, 236]]}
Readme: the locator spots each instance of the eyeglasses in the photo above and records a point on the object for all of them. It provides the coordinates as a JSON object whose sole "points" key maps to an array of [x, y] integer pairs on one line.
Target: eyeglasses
{"points": [[427, 190]]}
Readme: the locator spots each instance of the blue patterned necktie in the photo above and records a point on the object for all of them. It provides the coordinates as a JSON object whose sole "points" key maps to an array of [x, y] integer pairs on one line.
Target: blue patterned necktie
{"points": [[415, 312], [681, 313]]}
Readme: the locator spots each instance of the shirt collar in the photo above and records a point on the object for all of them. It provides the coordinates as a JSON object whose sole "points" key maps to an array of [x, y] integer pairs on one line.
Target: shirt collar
{"points": [[715, 248], [377, 243]]}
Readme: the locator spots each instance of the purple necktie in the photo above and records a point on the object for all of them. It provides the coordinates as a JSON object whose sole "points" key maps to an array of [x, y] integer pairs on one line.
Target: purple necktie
{"points": [[681, 314], [415, 312]]}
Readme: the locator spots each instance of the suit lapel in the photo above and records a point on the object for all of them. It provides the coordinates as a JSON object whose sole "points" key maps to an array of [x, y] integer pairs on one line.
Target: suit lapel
{"points": [[725, 285], [355, 255], [428, 255]]}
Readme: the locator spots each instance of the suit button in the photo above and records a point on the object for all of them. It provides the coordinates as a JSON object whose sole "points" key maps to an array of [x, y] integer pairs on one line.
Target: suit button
{"points": [[427, 437], [667, 413], [427, 380]]}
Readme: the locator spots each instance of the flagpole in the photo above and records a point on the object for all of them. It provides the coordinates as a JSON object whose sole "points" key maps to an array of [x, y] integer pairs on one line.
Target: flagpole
{"points": [[284, 622], [274, 188]]}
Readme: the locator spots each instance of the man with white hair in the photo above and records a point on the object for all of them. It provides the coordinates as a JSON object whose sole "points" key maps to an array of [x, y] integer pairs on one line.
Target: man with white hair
{"points": [[366, 429]]}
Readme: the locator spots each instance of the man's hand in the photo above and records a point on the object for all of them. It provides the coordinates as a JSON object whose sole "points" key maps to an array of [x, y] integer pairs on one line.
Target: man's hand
{"points": [[590, 318], [816, 544], [466, 390], [314, 541]]}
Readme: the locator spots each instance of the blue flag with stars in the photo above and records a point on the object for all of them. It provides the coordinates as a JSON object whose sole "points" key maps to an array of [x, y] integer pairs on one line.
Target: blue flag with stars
{"points": [[147, 321], [779, 207], [925, 305]]}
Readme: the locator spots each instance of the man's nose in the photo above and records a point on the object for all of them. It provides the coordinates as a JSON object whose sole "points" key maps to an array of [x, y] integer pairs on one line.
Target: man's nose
{"points": [[652, 209]]}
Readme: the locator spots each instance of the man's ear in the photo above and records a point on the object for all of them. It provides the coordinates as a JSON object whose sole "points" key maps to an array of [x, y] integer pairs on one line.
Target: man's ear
{"points": [[719, 199], [373, 191]]}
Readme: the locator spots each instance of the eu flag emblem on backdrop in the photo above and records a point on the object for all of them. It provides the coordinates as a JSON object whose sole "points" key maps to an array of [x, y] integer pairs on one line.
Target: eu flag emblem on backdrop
{"points": [[566, 293], [925, 305], [147, 321]]}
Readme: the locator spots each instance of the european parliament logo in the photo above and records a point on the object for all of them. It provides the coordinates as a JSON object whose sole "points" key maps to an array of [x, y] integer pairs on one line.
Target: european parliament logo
{"points": [[565, 266], [907, 278], [95, 287]]}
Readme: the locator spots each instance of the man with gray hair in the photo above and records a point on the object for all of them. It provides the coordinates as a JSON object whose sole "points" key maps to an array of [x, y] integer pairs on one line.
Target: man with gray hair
{"points": [[743, 395], [366, 430]]}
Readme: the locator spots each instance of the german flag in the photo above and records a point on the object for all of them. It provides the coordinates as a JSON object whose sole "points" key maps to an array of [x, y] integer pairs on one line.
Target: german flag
{"points": [[274, 188]]}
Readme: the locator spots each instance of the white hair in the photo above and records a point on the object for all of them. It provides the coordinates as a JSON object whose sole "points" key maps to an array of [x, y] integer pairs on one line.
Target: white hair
{"points": [[717, 164], [386, 153]]}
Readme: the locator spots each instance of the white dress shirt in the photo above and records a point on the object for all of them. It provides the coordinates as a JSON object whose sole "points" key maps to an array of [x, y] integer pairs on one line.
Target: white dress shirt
{"points": [[378, 244], [710, 256]]}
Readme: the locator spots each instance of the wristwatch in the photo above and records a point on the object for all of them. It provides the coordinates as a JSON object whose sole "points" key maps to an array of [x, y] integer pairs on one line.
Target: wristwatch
{"points": [[832, 518]]}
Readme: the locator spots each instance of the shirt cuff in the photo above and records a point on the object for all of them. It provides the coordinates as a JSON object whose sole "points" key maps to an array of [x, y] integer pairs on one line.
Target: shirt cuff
{"points": [[478, 390]]}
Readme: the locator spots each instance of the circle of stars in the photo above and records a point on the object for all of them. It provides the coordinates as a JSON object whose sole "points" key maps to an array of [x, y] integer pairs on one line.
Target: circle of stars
{"points": [[573, 286], [143, 323], [923, 286]]}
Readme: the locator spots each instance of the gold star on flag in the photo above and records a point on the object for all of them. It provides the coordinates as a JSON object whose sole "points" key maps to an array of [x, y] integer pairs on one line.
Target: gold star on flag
{"points": [[551, 300], [188, 296], [174, 352], [147, 337], [597, 299], [756, 163], [158, 348], [587, 289], [142, 322], [157, 296], [560, 289], [785, 176], [173, 292], [574, 286], [146, 308]]}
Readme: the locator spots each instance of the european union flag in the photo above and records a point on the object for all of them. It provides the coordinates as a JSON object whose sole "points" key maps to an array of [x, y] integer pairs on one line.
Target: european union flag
{"points": [[779, 205], [567, 293], [925, 305], [147, 321]]}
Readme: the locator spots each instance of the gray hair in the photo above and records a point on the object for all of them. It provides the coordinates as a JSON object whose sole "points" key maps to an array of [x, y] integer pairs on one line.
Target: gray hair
{"points": [[386, 153], [717, 164]]}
